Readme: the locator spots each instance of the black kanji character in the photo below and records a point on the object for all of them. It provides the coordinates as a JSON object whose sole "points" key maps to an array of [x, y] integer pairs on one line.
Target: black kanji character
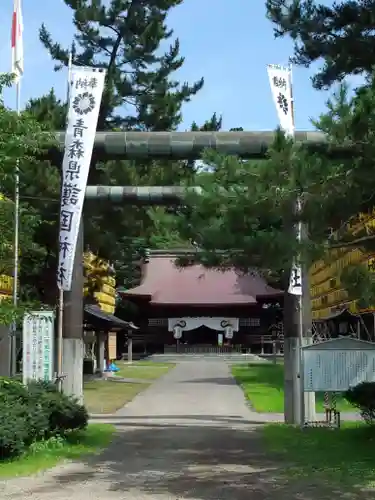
{"points": [[66, 219], [283, 103], [73, 171], [65, 247], [279, 82], [76, 149], [70, 194], [62, 273], [93, 83], [82, 83], [296, 278], [79, 127]]}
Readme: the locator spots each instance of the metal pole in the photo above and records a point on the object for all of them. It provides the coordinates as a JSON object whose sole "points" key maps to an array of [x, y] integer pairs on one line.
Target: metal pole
{"points": [[60, 324], [300, 236], [60, 338], [13, 341], [307, 405], [301, 329]]}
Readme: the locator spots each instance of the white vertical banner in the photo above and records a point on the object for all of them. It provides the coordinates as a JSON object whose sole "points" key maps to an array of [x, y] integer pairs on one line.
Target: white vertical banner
{"points": [[86, 89], [295, 280], [280, 78], [37, 346], [281, 87]]}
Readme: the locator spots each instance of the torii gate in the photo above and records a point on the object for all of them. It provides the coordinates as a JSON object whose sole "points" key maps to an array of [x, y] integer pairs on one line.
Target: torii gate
{"points": [[157, 145], [189, 145]]}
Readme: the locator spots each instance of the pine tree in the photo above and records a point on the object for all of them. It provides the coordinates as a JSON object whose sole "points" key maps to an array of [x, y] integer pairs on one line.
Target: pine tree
{"points": [[341, 35], [127, 38]]}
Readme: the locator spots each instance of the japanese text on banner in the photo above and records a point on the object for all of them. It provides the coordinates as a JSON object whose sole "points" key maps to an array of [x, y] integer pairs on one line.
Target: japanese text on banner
{"points": [[86, 89], [281, 88]]}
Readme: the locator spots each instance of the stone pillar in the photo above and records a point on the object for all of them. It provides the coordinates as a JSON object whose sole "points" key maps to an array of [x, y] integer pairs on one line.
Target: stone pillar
{"points": [[72, 362], [130, 346], [293, 380], [99, 354]]}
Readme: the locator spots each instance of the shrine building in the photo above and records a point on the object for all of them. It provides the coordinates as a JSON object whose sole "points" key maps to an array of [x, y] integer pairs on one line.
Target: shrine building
{"points": [[197, 310]]}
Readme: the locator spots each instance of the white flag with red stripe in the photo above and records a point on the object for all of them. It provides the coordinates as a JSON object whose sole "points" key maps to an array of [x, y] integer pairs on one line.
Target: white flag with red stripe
{"points": [[17, 40]]}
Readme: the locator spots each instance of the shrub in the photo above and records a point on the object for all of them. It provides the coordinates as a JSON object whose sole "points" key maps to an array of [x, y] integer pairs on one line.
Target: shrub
{"points": [[13, 435], [35, 413], [20, 425], [13, 388], [64, 413], [362, 396]]}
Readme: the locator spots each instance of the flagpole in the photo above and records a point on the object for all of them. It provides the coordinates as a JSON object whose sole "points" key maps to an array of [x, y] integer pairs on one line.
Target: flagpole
{"points": [[307, 400], [13, 360], [60, 323], [281, 81], [299, 237], [302, 270]]}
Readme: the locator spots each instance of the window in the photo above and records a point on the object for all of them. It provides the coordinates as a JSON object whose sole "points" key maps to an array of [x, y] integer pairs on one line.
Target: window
{"points": [[250, 322], [157, 322]]}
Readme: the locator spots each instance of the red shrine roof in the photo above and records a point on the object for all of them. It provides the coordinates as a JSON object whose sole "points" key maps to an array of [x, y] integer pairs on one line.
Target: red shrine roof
{"points": [[164, 283]]}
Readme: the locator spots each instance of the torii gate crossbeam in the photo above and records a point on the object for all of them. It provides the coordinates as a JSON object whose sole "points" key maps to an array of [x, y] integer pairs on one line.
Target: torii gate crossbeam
{"points": [[190, 145], [143, 195]]}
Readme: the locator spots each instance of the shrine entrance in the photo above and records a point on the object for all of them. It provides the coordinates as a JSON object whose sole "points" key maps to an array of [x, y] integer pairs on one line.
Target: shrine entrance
{"points": [[138, 145], [203, 334]]}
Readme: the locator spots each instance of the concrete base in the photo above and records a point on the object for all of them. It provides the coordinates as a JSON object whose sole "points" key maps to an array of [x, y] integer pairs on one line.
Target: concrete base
{"points": [[5, 351], [293, 385], [72, 368], [292, 402]]}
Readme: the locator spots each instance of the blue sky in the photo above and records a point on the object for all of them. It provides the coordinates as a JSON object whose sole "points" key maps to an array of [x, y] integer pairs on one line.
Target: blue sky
{"points": [[229, 43]]}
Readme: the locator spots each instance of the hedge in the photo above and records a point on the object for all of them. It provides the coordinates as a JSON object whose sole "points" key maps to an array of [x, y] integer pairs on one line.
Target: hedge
{"points": [[362, 396], [33, 413]]}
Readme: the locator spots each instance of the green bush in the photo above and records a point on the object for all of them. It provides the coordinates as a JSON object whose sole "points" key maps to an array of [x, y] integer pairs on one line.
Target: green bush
{"points": [[13, 388], [35, 413], [362, 396], [20, 425], [63, 412]]}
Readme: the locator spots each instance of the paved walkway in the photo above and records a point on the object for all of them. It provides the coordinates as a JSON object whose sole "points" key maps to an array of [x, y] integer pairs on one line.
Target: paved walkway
{"points": [[190, 436]]}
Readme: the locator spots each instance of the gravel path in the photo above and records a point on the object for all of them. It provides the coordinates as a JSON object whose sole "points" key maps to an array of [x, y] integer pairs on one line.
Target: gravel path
{"points": [[190, 436]]}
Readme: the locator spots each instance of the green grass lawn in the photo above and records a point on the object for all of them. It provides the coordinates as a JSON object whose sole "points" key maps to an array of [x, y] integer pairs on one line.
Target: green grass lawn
{"points": [[342, 457], [46, 455], [146, 370], [263, 385], [106, 396]]}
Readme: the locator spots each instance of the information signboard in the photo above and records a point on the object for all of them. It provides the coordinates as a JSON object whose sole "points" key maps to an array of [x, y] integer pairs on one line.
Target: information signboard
{"points": [[338, 364], [37, 346]]}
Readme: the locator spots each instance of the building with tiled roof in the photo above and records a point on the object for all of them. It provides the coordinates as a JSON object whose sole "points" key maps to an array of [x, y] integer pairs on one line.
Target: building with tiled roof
{"points": [[197, 308]]}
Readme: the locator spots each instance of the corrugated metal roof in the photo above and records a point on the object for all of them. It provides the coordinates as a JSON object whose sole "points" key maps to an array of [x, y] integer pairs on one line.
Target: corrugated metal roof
{"points": [[166, 284]]}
